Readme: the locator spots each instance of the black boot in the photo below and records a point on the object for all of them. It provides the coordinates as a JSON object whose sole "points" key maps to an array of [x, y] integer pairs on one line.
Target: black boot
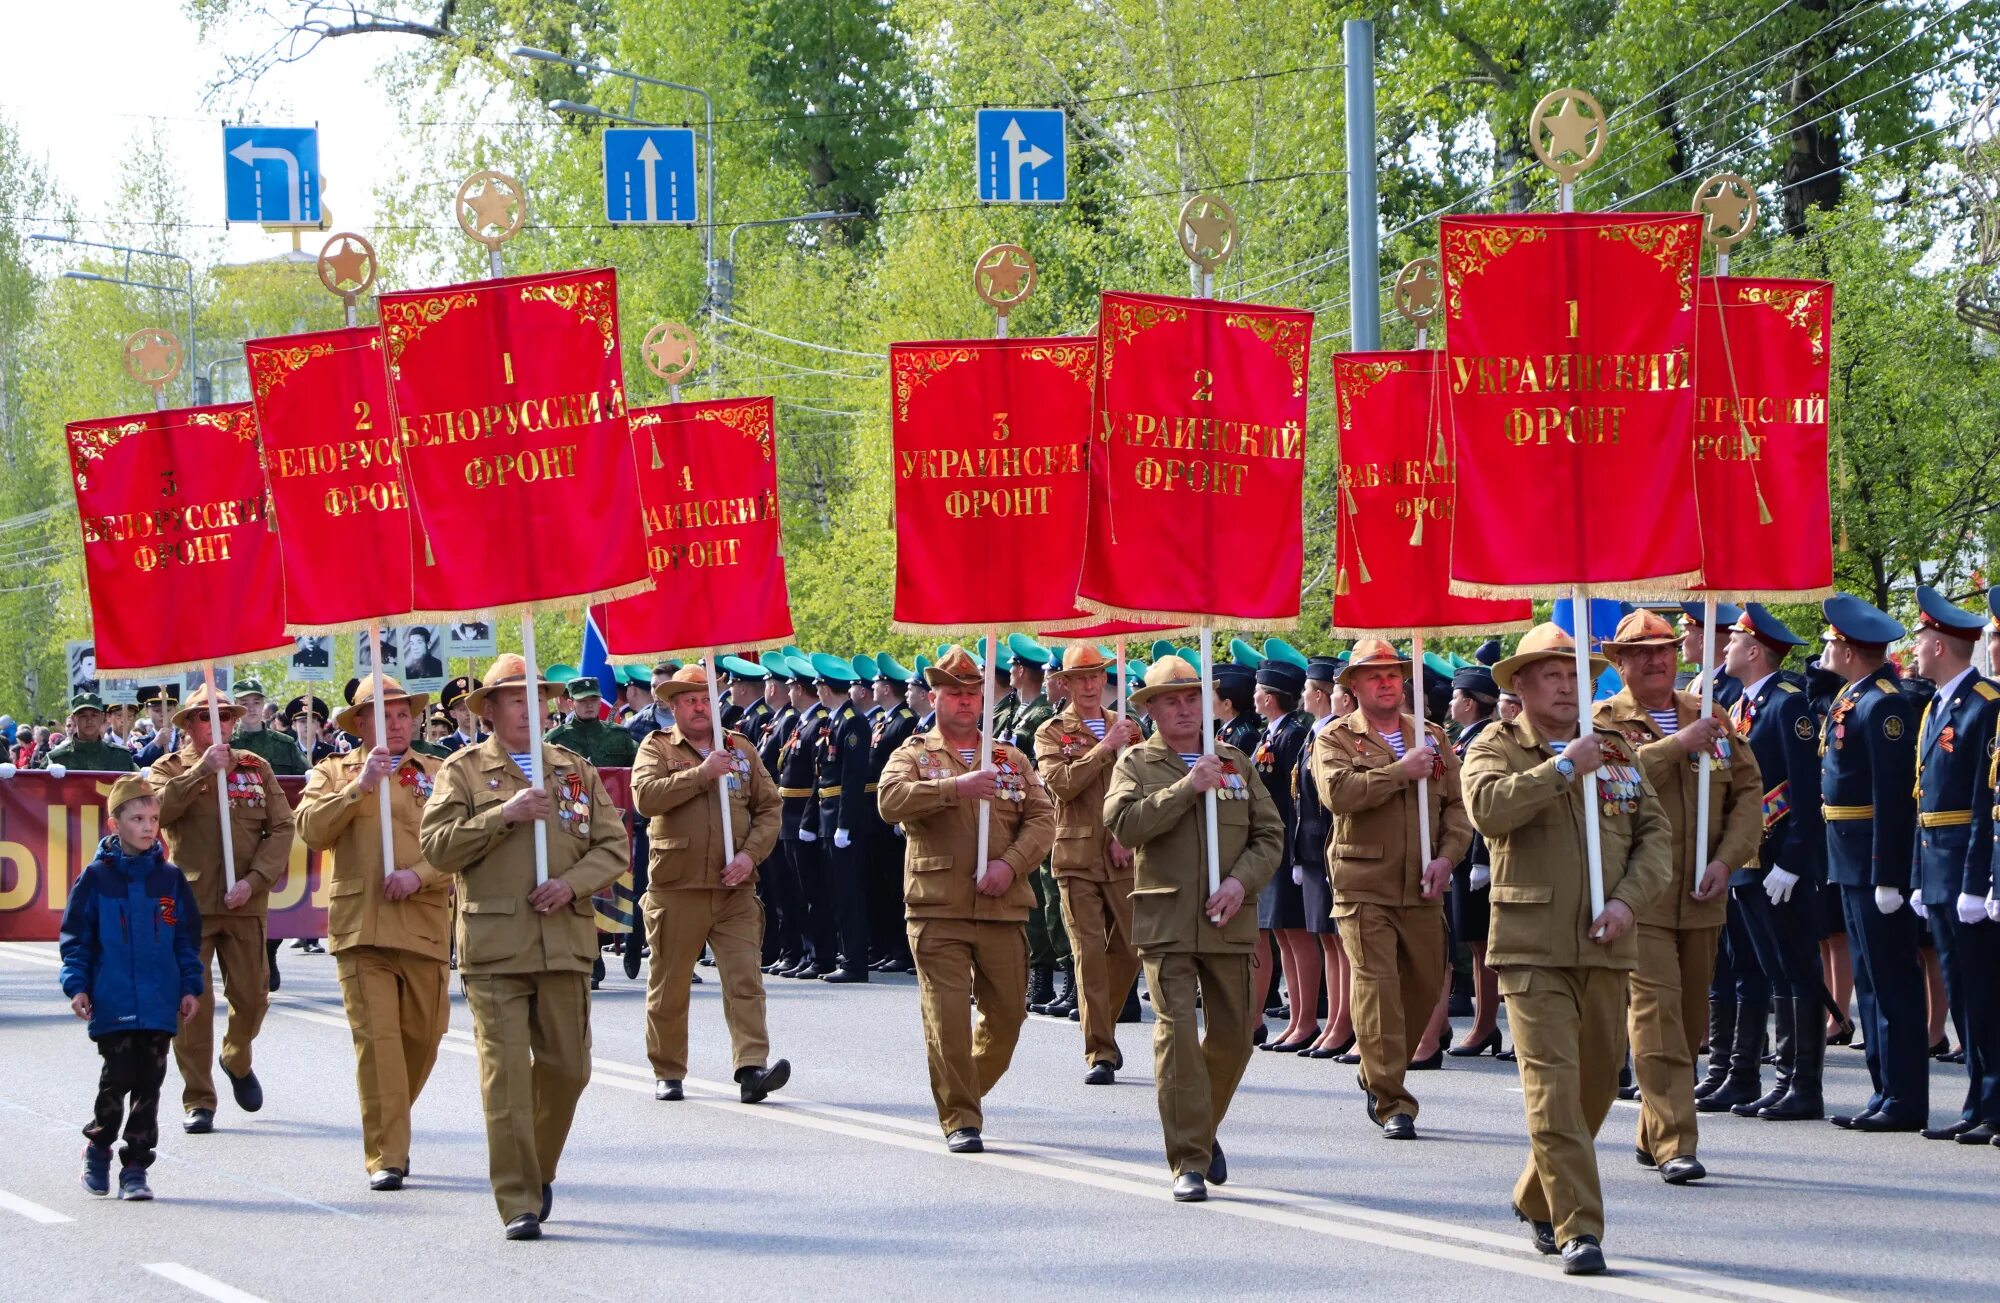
{"points": [[1746, 1075], [1786, 1045], [1721, 1030], [1802, 1100], [1041, 987], [1065, 1002]]}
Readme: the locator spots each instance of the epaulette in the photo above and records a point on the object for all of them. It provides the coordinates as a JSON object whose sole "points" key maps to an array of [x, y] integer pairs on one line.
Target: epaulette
{"points": [[1986, 690], [1887, 685], [1787, 687]]}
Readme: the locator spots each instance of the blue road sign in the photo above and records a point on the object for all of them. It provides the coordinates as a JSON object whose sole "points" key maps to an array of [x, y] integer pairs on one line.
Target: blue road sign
{"points": [[649, 176], [1021, 156], [271, 175]]}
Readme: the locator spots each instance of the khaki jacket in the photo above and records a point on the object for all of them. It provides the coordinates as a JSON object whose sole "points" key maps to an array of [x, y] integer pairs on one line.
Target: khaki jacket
{"points": [[336, 815], [939, 867], [1375, 855], [1077, 768], [260, 827], [463, 833], [1533, 824], [1735, 803], [685, 832], [1155, 810]]}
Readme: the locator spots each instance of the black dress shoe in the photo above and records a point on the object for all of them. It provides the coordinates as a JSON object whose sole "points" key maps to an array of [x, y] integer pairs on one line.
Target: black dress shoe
{"points": [[1258, 1037], [525, 1227], [1628, 1092], [1941, 1050], [668, 1088], [1582, 1257], [1315, 1053], [1952, 1132], [1884, 1122], [753, 1084], [386, 1179], [548, 1200], [1679, 1171], [1645, 1157], [1190, 1188], [965, 1140], [1430, 1063], [1349, 1056], [1540, 1234], [1505, 1056], [1983, 1134], [1956, 1056], [199, 1121], [1101, 1074], [1473, 1049], [1400, 1126], [1218, 1165], [248, 1091], [1117, 1058], [694, 979], [843, 976]]}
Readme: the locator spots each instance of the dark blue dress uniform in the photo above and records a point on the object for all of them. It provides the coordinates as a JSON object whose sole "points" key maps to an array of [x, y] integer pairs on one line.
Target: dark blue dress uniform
{"points": [[1954, 858], [1775, 720], [798, 827], [1313, 824], [842, 767], [777, 879], [894, 725], [1868, 753], [1276, 756]]}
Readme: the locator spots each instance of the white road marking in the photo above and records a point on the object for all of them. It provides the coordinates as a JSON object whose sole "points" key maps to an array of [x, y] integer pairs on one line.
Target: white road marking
{"points": [[206, 1286], [31, 1210], [20, 952]]}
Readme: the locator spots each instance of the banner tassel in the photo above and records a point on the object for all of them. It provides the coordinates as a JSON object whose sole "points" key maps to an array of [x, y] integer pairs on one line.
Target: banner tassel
{"points": [[1362, 563], [1340, 584], [1440, 457], [1417, 534], [1763, 508], [658, 463]]}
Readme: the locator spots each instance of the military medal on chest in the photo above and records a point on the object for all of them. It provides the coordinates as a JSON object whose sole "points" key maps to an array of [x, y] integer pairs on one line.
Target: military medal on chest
{"points": [[246, 787], [739, 770], [1233, 787], [1618, 786], [1011, 784], [414, 778], [573, 808]]}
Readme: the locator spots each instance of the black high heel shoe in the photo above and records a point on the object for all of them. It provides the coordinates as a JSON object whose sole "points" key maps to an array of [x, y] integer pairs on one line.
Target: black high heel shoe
{"points": [[1845, 1036], [1430, 1064], [1328, 1051], [1473, 1049], [1293, 1047]]}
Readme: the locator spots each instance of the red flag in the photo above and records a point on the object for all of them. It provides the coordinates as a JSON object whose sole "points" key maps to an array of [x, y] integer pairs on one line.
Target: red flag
{"points": [[1397, 496], [334, 463], [1762, 373], [517, 455], [179, 547], [1571, 373], [990, 440], [1197, 471], [708, 485]]}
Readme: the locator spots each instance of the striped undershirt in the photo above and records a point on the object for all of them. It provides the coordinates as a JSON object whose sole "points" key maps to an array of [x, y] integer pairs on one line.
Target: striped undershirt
{"points": [[521, 759], [967, 753], [1096, 727], [1668, 721], [1395, 740], [1189, 757]]}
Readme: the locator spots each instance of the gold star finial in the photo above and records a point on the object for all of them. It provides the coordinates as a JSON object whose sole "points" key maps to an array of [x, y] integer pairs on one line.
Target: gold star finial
{"points": [[670, 351], [1729, 208], [1207, 231], [1567, 130], [1004, 276], [492, 207]]}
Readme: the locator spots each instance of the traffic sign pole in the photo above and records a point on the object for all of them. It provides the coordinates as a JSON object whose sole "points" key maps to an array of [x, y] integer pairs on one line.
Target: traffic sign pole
{"points": [[1364, 273]]}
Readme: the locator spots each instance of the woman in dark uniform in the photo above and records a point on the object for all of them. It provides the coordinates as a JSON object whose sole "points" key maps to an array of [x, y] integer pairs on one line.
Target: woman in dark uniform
{"points": [[1308, 864], [1286, 729], [1474, 697], [1237, 724]]}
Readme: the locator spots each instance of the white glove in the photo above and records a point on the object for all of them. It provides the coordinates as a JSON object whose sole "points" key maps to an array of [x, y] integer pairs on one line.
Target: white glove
{"points": [[1482, 876], [57, 771], [808, 835], [7, 771], [1993, 905], [899, 830], [840, 838], [1971, 909], [1888, 900], [1778, 885], [1917, 905], [1298, 875]]}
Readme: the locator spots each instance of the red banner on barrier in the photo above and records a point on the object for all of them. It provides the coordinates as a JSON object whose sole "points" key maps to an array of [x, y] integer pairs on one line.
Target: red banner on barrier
{"points": [[708, 483], [1397, 494], [1197, 469], [334, 463], [1762, 373], [1570, 348], [990, 442], [517, 455], [175, 512]]}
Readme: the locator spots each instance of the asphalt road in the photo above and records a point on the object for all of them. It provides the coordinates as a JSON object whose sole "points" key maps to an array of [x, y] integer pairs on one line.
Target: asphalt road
{"points": [[840, 1186]]}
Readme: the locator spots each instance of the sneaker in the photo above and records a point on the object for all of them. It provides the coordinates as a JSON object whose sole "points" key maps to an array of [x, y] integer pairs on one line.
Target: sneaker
{"points": [[132, 1185], [96, 1169]]}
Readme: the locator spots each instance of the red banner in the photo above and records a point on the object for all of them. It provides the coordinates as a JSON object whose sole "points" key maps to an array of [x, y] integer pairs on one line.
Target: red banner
{"points": [[708, 483], [1571, 343], [517, 455], [990, 440], [50, 827], [331, 454], [179, 548], [1398, 490], [1197, 475], [1762, 372]]}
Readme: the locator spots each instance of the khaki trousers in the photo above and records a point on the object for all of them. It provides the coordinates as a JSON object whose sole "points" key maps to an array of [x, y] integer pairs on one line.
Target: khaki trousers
{"points": [[398, 1006], [246, 980], [678, 924], [958, 961], [1668, 1019], [532, 1033], [1569, 1038], [1398, 959], [1100, 935], [1195, 1077]]}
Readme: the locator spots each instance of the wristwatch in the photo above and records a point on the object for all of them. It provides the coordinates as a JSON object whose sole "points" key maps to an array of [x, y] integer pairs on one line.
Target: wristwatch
{"points": [[1567, 768]]}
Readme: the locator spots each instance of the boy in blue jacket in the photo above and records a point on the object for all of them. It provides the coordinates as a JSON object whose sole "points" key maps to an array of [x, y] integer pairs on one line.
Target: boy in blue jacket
{"points": [[131, 952]]}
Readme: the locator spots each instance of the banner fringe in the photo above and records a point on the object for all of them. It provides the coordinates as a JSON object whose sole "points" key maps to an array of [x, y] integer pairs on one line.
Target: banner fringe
{"points": [[1191, 619], [573, 602], [344, 626], [1738, 596], [721, 649], [1661, 588], [1432, 630], [106, 671]]}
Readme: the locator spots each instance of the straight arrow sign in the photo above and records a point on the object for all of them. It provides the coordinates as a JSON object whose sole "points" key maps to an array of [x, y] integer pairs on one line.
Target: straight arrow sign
{"points": [[649, 154]]}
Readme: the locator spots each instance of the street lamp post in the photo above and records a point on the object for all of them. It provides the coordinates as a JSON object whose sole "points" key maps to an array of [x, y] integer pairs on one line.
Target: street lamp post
{"points": [[722, 291], [631, 117], [194, 383]]}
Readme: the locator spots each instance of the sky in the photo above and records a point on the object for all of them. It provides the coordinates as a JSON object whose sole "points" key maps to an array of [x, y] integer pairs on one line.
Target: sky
{"points": [[82, 81]]}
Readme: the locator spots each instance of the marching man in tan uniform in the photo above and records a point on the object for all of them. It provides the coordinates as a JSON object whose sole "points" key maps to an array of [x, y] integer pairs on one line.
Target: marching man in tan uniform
{"points": [[967, 921], [1385, 894], [232, 918], [1195, 944], [1678, 935], [699, 892], [524, 950], [1562, 972], [388, 926], [1075, 752]]}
